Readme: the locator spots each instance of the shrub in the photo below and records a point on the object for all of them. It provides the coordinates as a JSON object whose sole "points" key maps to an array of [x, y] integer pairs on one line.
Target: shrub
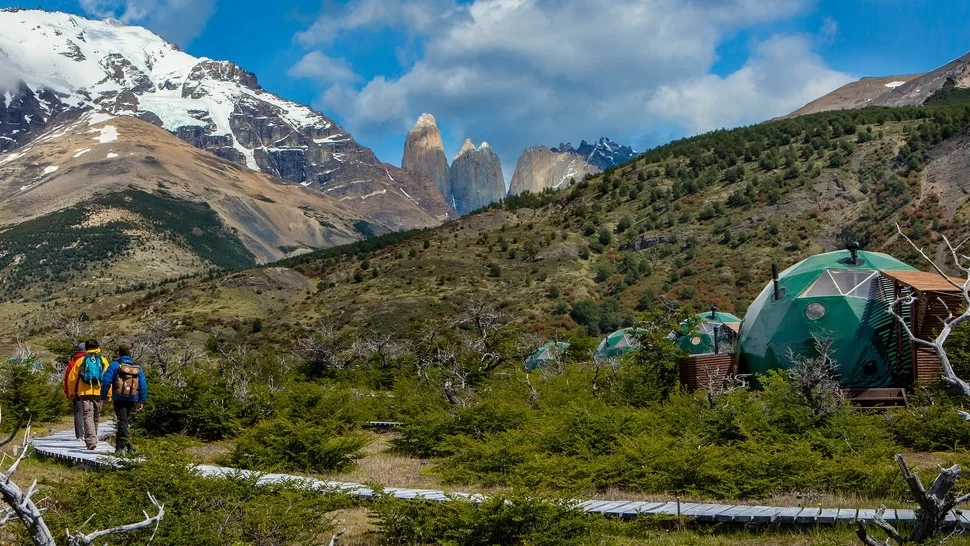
{"points": [[199, 403], [296, 445], [198, 510], [497, 520], [28, 385]]}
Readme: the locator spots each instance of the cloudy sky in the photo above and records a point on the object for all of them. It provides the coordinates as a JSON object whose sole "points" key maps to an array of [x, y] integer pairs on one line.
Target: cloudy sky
{"points": [[522, 72]]}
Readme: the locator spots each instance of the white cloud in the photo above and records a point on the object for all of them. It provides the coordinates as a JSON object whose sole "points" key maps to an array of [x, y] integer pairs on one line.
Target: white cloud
{"points": [[783, 75], [179, 21], [317, 66], [524, 72]]}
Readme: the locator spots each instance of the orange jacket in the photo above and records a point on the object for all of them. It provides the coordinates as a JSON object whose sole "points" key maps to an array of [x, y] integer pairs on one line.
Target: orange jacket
{"points": [[77, 387], [71, 362]]}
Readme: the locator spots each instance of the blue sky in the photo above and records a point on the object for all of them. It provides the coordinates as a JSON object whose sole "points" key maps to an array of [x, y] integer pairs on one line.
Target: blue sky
{"points": [[522, 72]]}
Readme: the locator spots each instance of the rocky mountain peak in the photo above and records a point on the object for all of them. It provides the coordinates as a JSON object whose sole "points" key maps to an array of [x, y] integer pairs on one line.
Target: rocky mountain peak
{"points": [[540, 167], [424, 153], [475, 178], [425, 121], [467, 146]]}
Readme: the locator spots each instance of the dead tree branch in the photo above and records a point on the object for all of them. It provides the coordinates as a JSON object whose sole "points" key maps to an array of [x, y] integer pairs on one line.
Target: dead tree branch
{"points": [[80, 539], [951, 322]]}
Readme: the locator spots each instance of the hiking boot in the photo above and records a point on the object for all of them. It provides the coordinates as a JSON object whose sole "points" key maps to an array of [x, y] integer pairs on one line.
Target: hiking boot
{"points": [[91, 447]]}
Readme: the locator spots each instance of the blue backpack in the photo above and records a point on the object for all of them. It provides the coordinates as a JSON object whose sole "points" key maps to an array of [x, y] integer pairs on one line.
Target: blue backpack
{"points": [[91, 369]]}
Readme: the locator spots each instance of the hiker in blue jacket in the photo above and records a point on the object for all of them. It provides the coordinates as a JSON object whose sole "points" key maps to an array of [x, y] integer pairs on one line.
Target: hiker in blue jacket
{"points": [[129, 392]]}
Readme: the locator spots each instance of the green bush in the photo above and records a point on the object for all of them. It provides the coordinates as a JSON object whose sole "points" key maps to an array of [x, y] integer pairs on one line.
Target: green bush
{"points": [[497, 520], [296, 445], [198, 510], [198, 403], [29, 386]]}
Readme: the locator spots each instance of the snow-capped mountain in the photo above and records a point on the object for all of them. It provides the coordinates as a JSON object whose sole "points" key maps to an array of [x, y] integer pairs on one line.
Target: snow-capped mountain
{"points": [[603, 154], [56, 64]]}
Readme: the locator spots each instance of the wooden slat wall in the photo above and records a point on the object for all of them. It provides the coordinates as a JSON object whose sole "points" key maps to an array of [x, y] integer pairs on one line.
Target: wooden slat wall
{"points": [[927, 367], [930, 313], [699, 371]]}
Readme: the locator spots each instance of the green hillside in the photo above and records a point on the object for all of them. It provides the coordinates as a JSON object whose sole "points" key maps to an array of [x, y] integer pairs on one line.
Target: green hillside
{"points": [[276, 368]]}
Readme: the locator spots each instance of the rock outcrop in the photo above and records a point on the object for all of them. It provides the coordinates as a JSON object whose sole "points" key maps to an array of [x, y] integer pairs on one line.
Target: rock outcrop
{"points": [[475, 178], [540, 167], [424, 153]]}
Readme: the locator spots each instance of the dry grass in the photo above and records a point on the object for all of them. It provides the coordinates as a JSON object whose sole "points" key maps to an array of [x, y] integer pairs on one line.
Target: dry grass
{"points": [[357, 526]]}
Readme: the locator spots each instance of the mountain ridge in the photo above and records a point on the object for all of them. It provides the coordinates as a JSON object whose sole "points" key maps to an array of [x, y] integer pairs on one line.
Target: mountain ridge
{"points": [[67, 63]]}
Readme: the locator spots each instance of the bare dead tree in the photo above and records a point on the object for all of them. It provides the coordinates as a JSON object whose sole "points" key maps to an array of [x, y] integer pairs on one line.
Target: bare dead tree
{"points": [[951, 321], [159, 344], [934, 505], [533, 393], [334, 541], [321, 350], [21, 505], [719, 386], [815, 378]]}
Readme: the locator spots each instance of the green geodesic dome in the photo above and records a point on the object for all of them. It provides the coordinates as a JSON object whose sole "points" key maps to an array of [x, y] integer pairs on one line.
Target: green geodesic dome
{"points": [[832, 297], [617, 343], [700, 339], [544, 354]]}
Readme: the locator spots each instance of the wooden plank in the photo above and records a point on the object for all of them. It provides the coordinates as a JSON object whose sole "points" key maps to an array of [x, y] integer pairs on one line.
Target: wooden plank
{"points": [[610, 507], [731, 513], [808, 515], [713, 510], [828, 515], [847, 514], [641, 508], [787, 515], [668, 508], [867, 514], [766, 515], [593, 506], [751, 512], [704, 512], [905, 515], [622, 508]]}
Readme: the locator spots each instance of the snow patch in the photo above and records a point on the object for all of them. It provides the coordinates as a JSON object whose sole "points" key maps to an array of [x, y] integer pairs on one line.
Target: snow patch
{"points": [[332, 139], [81, 152], [95, 118], [894, 85], [50, 169], [111, 155], [12, 157], [106, 134], [362, 197]]}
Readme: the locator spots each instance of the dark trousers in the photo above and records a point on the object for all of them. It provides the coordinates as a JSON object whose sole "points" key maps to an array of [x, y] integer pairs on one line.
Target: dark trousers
{"points": [[123, 411], [78, 419]]}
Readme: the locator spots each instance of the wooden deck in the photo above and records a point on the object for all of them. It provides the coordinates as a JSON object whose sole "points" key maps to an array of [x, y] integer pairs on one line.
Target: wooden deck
{"points": [[62, 445]]}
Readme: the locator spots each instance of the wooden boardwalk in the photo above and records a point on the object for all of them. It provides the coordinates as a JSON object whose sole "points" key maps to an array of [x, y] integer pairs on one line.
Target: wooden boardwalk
{"points": [[62, 445]]}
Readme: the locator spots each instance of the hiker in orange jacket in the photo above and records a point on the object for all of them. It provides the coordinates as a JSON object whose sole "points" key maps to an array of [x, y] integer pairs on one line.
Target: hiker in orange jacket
{"points": [[78, 412], [84, 383]]}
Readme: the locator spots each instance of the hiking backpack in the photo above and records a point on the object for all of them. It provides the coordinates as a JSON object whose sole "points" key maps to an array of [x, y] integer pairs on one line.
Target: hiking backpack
{"points": [[91, 369], [126, 382]]}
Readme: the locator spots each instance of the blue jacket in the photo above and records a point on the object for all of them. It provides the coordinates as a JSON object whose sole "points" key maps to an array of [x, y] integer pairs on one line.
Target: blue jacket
{"points": [[111, 373]]}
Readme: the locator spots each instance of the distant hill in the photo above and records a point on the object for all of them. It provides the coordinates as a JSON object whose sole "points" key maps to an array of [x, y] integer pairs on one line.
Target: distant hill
{"points": [[858, 94], [908, 90]]}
